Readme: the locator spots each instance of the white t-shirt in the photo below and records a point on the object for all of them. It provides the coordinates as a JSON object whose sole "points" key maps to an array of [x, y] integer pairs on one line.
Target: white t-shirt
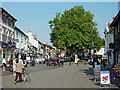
{"points": [[4, 60], [14, 63], [20, 60]]}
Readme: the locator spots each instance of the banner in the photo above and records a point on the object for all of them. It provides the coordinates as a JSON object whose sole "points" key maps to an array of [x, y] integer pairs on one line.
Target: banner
{"points": [[8, 45]]}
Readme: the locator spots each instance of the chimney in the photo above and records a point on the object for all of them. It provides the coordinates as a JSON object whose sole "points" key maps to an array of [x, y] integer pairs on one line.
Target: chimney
{"points": [[35, 37], [113, 17]]}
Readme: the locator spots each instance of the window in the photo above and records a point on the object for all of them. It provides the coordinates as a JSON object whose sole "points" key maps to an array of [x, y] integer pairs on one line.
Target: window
{"points": [[119, 27], [115, 30], [17, 34], [4, 18], [9, 21], [10, 32], [21, 36]]}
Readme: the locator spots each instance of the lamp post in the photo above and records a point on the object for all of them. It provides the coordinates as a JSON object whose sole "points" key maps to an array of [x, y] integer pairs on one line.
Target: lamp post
{"points": [[93, 42], [93, 55], [83, 52]]}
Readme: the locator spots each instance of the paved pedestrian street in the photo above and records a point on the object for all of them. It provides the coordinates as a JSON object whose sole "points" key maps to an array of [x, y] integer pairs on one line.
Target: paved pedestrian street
{"points": [[59, 77]]}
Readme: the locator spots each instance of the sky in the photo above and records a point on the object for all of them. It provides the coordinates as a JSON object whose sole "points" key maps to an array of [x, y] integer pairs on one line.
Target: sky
{"points": [[35, 16]]}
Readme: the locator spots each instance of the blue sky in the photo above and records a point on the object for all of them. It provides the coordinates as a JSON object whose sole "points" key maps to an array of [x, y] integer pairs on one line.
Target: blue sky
{"points": [[35, 16]]}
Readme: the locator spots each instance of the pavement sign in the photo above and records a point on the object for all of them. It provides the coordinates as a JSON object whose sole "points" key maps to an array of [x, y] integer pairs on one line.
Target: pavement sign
{"points": [[105, 78]]}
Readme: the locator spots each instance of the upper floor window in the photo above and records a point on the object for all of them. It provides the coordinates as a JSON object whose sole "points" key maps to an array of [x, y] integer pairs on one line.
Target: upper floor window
{"points": [[116, 31], [25, 38], [10, 32], [17, 34], [21, 36], [4, 18], [118, 27]]}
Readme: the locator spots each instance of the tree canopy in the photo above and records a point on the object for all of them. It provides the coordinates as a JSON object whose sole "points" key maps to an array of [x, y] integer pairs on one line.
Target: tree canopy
{"points": [[74, 28]]}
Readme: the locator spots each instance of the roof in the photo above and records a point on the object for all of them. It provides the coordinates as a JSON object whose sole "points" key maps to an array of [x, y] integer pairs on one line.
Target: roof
{"points": [[7, 13], [115, 20], [20, 31]]}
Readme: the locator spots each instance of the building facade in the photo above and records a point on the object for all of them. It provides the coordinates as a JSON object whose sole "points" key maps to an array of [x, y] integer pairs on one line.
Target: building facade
{"points": [[116, 27], [109, 40], [7, 34], [21, 40], [32, 47]]}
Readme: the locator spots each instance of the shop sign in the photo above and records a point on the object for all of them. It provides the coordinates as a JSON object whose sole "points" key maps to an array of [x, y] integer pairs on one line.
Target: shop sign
{"points": [[4, 45], [105, 77], [15, 40]]}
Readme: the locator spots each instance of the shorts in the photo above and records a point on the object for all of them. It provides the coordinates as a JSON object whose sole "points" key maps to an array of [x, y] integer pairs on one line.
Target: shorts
{"points": [[4, 65], [14, 68]]}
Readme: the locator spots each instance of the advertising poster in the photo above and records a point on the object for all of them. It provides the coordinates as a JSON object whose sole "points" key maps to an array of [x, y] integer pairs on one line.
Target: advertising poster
{"points": [[105, 77]]}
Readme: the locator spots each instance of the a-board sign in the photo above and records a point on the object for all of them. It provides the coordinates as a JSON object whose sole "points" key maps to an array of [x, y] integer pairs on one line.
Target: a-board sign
{"points": [[105, 77], [97, 72], [97, 66]]}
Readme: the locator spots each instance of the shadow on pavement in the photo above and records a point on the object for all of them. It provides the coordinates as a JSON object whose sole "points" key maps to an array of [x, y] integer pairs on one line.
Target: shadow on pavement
{"points": [[89, 73]]}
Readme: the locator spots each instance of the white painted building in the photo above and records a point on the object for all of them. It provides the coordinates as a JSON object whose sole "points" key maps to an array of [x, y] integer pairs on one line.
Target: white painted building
{"points": [[101, 51], [109, 38], [7, 25], [32, 45], [21, 42]]}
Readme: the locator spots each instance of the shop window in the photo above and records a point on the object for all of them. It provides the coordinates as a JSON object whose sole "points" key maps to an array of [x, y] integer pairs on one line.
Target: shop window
{"points": [[115, 30]]}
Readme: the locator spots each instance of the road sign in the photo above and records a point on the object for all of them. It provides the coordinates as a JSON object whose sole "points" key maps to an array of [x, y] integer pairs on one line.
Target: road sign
{"points": [[105, 78]]}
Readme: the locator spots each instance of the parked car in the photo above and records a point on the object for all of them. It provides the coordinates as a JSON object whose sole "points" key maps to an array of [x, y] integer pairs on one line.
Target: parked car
{"points": [[51, 62]]}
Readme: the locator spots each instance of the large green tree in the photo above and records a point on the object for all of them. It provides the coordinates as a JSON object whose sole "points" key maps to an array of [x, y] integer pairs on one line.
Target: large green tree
{"points": [[74, 28]]}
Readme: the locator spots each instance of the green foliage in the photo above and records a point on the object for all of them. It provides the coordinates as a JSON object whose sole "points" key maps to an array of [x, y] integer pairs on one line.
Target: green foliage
{"points": [[74, 28]]}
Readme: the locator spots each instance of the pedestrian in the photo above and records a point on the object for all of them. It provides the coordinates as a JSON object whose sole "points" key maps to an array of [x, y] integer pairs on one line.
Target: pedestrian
{"points": [[19, 68], [4, 64], [14, 66], [25, 63]]}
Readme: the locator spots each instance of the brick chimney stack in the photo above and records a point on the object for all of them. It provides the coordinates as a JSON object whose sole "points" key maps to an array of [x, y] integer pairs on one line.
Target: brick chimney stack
{"points": [[35, 37], [113, 17]]}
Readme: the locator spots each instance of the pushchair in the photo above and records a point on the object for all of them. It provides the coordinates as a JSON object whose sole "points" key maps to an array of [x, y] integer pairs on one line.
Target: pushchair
{"points": [[26, 76]]}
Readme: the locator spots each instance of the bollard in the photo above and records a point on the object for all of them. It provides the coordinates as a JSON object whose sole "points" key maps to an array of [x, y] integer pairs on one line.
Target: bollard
{"points": [[70, 63], [77, 63], [59, 64], [62, 62]]}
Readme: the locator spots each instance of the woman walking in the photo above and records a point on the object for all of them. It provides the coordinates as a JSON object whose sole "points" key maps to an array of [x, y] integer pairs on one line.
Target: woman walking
{"points": [[4, 64], [19, 68], [14, 66]]}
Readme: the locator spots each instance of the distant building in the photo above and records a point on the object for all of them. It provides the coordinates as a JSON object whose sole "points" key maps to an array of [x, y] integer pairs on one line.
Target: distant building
{"points": [[21, 43], [109, 40], [32, 47]]}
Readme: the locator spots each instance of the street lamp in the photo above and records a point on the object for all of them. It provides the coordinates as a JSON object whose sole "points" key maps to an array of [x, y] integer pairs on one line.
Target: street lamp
{"points": [[93, 55], [83, 52]]}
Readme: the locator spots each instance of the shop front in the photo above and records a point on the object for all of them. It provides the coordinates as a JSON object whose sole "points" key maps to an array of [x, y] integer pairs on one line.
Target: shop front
{"points": [[7, 50]]}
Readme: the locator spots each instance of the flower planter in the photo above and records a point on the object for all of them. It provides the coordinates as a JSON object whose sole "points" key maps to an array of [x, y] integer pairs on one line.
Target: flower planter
{"points": [[116, 73]]}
